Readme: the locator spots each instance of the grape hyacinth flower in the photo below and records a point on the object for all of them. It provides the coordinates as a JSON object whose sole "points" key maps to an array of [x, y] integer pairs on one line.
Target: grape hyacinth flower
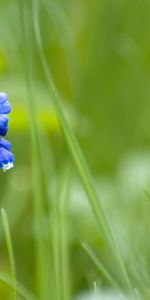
{"points": [[6, 157]]}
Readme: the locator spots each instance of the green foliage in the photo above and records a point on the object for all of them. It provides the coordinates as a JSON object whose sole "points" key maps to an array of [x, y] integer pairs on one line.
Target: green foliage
{"points": [[77, 75]]}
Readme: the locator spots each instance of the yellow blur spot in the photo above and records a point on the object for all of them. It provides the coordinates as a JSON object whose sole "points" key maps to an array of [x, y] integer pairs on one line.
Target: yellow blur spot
{"points": [[19, 120], [49, 121], [3, 62]]}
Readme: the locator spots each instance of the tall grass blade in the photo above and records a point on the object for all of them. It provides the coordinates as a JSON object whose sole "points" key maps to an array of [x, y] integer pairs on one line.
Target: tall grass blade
{"points": [[10, 250], [65, 36], [60, 238], [64, 243], [39, 185], [100, 266], [78, 157], [24, 293]]}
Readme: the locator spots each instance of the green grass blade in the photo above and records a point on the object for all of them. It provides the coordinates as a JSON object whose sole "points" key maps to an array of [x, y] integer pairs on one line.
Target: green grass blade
{"points": [[64, 243], [42, 256], [65, 36], [60, 238], [10, 250], [78, 157], [100, 266], [24, 293]]}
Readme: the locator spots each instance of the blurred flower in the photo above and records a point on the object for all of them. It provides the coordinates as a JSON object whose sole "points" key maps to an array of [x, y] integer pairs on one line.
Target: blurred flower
{"points": [[3, 125], [6, 157], [5, 144], [5, 107]]}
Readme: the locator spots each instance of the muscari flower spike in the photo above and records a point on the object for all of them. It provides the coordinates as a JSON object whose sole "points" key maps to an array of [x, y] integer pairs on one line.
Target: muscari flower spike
{"points": [[6, 157]]}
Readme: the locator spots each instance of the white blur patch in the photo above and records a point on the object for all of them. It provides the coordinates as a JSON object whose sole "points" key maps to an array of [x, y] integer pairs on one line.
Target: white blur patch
{"points": [[8, 166], [103, 295]]}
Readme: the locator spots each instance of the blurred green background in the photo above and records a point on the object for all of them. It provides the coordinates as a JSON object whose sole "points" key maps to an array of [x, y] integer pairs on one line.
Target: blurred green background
{"points": [[99, 55]]}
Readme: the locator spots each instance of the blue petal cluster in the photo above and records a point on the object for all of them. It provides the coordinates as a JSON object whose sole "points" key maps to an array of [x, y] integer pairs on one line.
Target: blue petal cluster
{"points": [[6, 157]]}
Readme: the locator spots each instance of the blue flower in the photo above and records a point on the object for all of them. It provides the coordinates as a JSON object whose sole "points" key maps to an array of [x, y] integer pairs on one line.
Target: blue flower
{"points": [[5, 144], [6, 157], [3, 125], [5, 107]]}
